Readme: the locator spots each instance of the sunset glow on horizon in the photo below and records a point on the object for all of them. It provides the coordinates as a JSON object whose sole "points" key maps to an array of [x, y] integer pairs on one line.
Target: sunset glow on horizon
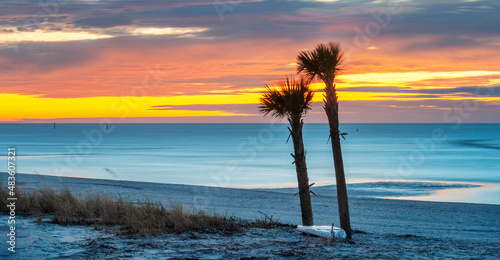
{"points": [[177, 61]]}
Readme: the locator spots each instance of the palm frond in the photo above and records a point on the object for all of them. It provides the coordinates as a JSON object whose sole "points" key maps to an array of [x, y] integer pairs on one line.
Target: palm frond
{"points": [[272, 101], [290, 98], [323, 62], [307, 63]]}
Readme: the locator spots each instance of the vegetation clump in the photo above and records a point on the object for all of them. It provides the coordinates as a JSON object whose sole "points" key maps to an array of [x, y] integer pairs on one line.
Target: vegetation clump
{"points": [[123, 217]]}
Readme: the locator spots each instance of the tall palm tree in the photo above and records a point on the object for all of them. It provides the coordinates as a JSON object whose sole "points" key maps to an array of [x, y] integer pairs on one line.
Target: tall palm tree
{"points": [[292, 99], [323, 63]]}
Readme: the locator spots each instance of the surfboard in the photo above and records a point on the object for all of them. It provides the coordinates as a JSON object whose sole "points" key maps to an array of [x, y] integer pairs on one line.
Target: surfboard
{"points": [[328, 232]]}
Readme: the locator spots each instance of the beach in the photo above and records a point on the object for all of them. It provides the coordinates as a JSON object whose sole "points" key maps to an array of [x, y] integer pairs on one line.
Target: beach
{"points": [[385, 228]]}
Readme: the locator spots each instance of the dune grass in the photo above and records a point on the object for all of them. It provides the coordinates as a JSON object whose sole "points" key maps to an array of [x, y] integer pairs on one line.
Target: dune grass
{"points": [[122, 217]]}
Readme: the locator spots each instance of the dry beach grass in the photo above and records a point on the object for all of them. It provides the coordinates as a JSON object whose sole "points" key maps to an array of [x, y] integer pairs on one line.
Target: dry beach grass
{"points": [[123, 217]]}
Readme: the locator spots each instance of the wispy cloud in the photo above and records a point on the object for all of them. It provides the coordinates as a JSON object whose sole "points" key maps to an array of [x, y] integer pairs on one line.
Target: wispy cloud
{"points": [[45, 36], [14, 36]]}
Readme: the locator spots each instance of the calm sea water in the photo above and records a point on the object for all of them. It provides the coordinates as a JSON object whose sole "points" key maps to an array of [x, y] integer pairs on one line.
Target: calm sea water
{"points": [[255, 155]]}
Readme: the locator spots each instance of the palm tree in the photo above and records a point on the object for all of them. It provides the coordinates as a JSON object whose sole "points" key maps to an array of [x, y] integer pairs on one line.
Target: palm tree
{"points": [[323, 63], [292, 99]]}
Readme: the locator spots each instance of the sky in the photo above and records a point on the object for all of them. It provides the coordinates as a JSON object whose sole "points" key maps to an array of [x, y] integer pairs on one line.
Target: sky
{"points": [[152, 61]]}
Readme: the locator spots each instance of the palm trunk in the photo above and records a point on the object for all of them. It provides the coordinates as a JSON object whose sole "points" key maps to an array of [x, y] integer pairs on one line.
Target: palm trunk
{"points": [[332, 111], [301, 168]]}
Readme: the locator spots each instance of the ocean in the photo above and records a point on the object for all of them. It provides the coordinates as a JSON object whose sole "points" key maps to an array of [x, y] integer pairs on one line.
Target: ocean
{"points": [[387, 157]]}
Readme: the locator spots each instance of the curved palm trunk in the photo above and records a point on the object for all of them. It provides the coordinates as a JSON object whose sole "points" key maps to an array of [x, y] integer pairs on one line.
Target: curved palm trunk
{"points": [[301, 168], [332, 111]]}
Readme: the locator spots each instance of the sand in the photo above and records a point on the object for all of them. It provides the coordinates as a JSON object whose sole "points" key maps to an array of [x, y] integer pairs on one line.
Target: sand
{"points": [[387, 228]]}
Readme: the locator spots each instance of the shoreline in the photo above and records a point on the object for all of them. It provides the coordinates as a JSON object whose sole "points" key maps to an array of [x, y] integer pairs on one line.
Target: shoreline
{"points": [[487, 190]]}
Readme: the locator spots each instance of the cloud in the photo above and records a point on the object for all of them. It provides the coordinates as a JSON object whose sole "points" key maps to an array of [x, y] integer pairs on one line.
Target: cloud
{"points": [[104, 49], [476, 91], [481, 91], [446, 18], [233, 108], [49, 36], [168, 31], [103, 21], [402, 77], [13, 37], [33, 58]]}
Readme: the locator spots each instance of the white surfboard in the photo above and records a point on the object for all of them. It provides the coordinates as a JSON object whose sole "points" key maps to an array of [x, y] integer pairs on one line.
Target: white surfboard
{"points": [[323, 231]]}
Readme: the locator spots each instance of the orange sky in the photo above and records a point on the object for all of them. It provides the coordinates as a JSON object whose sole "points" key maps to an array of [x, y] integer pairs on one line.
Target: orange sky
{"points": [[179, 62]]}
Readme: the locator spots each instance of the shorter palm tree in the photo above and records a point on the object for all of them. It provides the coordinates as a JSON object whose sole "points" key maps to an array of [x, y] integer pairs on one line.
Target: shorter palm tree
{"points": [[292, 99]]}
